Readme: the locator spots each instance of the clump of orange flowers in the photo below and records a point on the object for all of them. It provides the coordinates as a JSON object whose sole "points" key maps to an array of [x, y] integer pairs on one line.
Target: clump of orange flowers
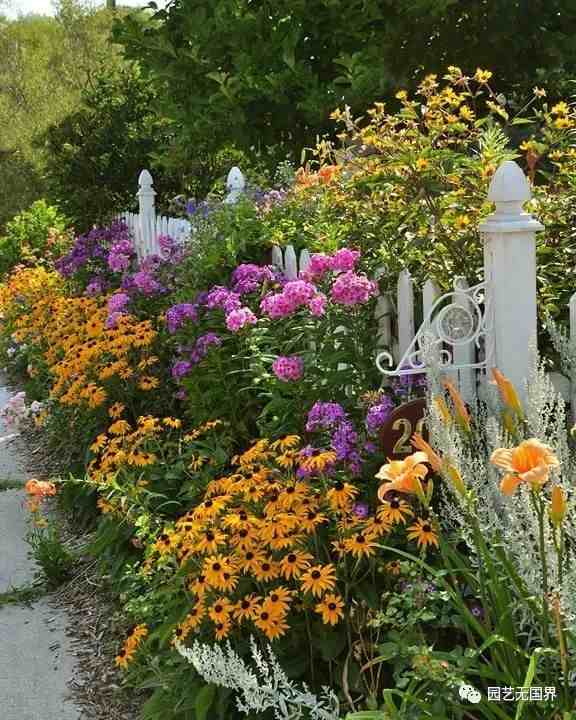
{"points": [[265, 545], [82, 354]]}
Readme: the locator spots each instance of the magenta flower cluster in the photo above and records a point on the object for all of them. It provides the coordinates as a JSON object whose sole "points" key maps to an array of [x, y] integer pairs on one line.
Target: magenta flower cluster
{"points": [[288, 368], [295, 294]]}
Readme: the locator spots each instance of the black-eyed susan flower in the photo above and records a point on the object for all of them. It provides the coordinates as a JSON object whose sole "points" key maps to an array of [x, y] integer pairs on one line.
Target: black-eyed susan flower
{"points": [[115, 411], [331, 609], [341, 494], [294, 564], [395, 511], [423, 532], [267, 570], [360, 545], [209, 541], [220, 610], [278, 600], [222, 630], [318, 579], [247, 608]]}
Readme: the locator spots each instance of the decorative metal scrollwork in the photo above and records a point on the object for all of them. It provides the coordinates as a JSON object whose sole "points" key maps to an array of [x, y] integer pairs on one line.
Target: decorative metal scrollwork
{"points": [[456, 319]]}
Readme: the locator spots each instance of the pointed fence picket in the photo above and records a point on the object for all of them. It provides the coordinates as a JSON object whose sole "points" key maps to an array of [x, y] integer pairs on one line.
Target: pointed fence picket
{"points": [[146, 227]]}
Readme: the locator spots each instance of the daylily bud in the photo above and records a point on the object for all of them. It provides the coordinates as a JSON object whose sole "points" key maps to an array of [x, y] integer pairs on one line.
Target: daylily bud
{"points": [[462, 415], [558, 505], [443, 409], [456, 479], [507, 392]]}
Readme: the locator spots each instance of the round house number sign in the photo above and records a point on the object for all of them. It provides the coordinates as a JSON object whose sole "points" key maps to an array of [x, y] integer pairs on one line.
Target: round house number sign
{"points": [[401, 425]]}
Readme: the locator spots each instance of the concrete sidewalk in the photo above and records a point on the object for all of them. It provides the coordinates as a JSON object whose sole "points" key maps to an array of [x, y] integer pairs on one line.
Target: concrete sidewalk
{"points": [[35, 656]]}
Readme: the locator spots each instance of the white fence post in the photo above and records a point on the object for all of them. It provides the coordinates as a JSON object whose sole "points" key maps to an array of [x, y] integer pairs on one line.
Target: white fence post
{"points": [[405, 312], [235, 184], [510, 274], [146, 235]]}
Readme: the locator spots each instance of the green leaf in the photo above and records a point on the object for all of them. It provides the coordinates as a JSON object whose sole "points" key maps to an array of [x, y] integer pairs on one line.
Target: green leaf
{"points": [[204, 701]]}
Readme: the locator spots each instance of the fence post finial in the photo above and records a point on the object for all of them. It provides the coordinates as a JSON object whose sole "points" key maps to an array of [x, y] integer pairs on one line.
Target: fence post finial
{"points": [[235, 185], [146, 236], [510, 275]]}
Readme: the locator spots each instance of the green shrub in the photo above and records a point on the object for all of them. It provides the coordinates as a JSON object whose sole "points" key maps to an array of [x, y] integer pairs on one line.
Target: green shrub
{"points": [[35, 236]]}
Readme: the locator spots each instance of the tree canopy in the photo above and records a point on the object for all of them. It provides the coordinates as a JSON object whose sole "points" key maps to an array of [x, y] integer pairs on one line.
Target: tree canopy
{"points": [[269, 72]]}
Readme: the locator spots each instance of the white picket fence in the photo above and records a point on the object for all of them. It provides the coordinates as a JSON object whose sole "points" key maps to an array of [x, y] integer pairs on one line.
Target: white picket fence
{"points": [[470, 329], [147, 227]]}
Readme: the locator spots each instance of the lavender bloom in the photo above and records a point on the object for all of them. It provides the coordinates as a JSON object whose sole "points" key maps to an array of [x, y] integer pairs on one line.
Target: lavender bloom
{"points": [[248, 277], [178, 314], [222, 298], [378, 414], [345, 444], [203, 345], [94, 287], [112, 321], [361, 510], [118, 303], [181, 369], [324, 416], [146, 283]]}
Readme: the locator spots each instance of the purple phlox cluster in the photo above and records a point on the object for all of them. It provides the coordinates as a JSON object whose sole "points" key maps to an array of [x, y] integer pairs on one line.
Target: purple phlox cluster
{"points": [[344, 439], [118, 303], [146, 283], [294, 295], [198, 210], [104, 246], [121, 255], [198, 352], [344, 260], [378, 414], [202, 346], [265, 201], [112, 320], [239, 318], [96, 286], [181, 368], [219, 297], [248, 277], [171, 251], [324, 416], [177, 315], [352, 289], [288, 368], [404, 384], [345, 444]]}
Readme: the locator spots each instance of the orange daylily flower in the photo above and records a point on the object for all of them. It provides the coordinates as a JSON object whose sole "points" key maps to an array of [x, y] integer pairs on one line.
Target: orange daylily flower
{"points": [[403, 475], [40, 488], [529, 462]]}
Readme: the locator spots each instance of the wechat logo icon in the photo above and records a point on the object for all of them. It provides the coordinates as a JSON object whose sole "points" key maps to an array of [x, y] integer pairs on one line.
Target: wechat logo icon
{"points": [[467, 692]]}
